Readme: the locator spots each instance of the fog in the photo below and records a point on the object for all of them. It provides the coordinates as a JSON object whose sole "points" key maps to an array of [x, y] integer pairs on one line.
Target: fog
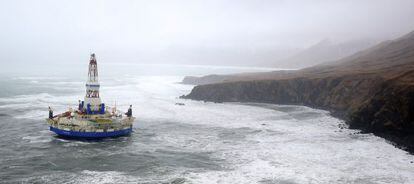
{"points": [[215, 32]]}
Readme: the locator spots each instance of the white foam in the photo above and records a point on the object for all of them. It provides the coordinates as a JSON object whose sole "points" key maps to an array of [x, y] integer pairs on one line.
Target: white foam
{"points": [[37, 139], [299, 145]]}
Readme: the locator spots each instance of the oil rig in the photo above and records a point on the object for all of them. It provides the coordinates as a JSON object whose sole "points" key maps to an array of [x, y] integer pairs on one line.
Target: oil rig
{"points": [[92, 119]]}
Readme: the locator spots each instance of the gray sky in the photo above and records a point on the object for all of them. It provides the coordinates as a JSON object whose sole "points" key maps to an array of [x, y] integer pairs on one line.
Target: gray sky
{"points": [[172, 31]]}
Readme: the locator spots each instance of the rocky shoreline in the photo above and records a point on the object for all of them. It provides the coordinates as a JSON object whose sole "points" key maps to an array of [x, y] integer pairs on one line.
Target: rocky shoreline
{"points": [[372, 91], [372, 105]]}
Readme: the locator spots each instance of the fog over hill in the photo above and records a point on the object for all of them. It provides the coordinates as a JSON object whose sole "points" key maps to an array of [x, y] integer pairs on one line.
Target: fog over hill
{"points": [[241, 33], [324, 51]]}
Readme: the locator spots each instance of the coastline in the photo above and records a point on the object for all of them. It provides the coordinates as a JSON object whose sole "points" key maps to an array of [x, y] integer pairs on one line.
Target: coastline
{"points": [[368, 103], [372, 90]]}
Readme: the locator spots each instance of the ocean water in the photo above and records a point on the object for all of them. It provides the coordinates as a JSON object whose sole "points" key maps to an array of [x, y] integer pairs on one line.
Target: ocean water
{"points": [[200, 142]]}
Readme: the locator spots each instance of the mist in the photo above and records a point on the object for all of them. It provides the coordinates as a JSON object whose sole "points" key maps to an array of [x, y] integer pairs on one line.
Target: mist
{"points": [[34, 34]]}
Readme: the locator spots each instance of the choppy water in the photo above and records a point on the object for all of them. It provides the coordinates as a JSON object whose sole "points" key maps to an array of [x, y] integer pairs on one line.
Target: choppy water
{"points": [[196, 143]]}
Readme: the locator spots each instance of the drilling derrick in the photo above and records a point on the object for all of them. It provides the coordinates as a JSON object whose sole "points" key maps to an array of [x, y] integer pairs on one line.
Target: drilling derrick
{"points": [[92, 103]]}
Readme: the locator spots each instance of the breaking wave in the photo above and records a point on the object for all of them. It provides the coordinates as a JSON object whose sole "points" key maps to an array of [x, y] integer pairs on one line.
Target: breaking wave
{"points": [[198, 142]]}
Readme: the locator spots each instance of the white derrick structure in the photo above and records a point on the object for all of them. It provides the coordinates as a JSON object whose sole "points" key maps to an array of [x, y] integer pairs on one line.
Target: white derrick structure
{"points": [[92, 86]]}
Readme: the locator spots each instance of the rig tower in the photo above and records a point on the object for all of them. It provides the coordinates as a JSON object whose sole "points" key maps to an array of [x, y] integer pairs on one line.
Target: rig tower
{"points": [[92, 103]]}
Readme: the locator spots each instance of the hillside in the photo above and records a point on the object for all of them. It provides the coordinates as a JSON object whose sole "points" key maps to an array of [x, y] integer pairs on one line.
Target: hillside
{"points": [[324, 51], [373, 90]]}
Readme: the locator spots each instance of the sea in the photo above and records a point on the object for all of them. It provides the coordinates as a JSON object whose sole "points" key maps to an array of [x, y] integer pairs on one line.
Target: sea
{"points": [[198, 142]]}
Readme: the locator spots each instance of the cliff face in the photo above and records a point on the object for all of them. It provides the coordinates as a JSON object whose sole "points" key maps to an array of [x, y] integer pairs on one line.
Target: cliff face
{"points": [[372, 90], [371, 104], [341, 94], [388, 113], [211, 79]]}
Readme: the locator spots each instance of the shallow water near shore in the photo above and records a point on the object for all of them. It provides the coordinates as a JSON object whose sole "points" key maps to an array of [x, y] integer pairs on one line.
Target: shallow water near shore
{"points": [[195, 143]]}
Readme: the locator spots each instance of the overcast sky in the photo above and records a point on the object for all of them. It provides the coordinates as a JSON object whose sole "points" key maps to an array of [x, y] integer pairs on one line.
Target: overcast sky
{"points": [[152, 31]]}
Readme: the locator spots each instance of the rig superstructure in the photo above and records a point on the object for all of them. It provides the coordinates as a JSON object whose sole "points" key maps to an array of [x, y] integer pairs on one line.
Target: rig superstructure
{"points": [[92, 119]]}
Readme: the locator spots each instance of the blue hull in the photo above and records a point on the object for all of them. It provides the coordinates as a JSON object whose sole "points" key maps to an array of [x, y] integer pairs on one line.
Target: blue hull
{"points": [[90, 135]]}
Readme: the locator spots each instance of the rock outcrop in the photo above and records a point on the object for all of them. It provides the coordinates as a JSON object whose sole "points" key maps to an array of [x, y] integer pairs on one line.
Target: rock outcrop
{"points": [[211, 79]]}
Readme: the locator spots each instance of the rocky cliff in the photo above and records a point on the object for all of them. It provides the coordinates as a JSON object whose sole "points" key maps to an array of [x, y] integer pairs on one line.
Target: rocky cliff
{"points": [[372, 90], [210, 79]]}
